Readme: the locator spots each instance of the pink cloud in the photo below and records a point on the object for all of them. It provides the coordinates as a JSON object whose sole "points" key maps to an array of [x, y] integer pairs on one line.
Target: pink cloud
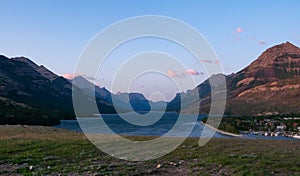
{"points": [[171, 73], [206, 61], [262, 43], [239, 30], [74, 75], [174, 74], [70, 75], [191, 72]]}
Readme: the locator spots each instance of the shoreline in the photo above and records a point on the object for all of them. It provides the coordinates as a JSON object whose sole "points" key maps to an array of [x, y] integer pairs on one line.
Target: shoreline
{"points": [[75, 127], [57, 151], [221, 131]]}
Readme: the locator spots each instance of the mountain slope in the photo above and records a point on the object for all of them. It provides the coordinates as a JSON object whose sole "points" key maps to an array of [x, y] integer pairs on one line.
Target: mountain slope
{"points": [[22, 84], [269, 85], [31, 94], [41, 69], [276, 63]]}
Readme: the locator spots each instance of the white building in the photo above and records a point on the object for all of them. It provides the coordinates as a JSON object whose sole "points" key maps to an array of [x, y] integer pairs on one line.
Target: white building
{"points": [[281, 127]]}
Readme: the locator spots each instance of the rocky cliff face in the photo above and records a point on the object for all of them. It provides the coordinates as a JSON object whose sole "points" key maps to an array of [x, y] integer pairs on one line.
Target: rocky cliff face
{"points": [[276, 63], [269, 85]]}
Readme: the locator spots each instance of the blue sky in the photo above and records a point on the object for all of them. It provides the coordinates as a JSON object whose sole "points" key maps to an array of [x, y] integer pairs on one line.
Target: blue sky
{"points": [[54, 32]]}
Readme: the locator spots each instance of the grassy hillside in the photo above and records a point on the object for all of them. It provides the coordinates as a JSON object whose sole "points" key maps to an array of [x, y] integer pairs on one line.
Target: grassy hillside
{"points": [[43, 150]]}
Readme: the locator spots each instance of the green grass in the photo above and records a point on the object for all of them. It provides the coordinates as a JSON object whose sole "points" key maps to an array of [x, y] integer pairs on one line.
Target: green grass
{"points": [[53, 151]]}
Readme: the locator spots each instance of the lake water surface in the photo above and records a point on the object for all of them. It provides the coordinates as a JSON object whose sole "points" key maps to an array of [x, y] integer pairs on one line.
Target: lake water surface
{"points": [[189, 126]]}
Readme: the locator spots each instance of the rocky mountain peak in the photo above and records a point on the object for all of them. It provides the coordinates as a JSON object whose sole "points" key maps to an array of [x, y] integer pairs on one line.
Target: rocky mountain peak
{"points": [[26, 60], [41, 69], [278, 62], [286, 51], [270, 84]]}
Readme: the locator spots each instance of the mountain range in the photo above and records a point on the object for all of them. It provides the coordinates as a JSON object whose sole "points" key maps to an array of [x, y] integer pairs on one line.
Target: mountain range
{"points": [[269, 85], [32, 94]]}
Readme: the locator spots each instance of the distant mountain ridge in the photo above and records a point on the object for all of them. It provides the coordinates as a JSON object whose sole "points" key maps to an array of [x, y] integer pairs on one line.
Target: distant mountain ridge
{"points": [[32, 94], [125, 102], [269, 85]]}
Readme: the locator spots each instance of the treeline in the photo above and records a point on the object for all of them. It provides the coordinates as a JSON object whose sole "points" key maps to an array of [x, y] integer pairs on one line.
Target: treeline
{"points": [[225, 126], [234, 124], [13, 115]]}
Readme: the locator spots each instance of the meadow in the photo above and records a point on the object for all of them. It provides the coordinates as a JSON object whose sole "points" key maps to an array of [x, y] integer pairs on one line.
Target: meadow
{"points": [[37, 150]]}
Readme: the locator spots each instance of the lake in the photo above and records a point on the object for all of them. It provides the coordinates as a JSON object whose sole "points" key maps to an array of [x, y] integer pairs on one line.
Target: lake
{"points": [[187, 127]]}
